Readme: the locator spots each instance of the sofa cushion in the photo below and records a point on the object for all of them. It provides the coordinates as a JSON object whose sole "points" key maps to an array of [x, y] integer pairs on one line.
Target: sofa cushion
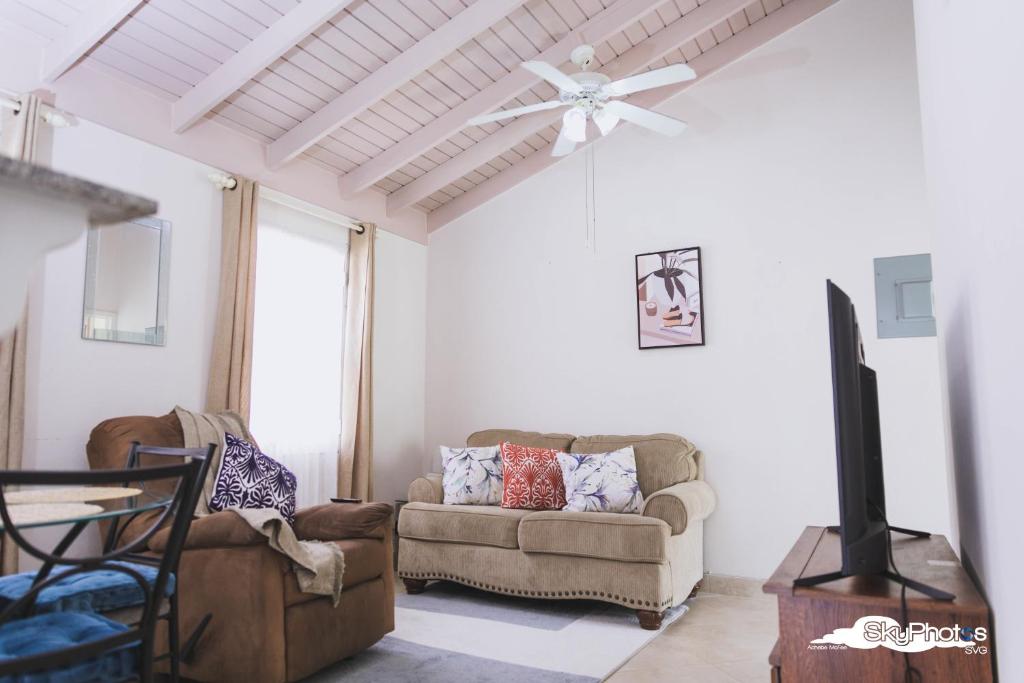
{"points": [[471, 475], [365, 559], [601, 482], [661, 459], [493, 437], [249, 479], [45, 633], [98, 590], [605, 535], [476, 524], [532, 478]]}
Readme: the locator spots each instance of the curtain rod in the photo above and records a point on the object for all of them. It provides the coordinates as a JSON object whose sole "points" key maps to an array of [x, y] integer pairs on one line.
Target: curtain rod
{"points": [[227, 182], [58, 118]]}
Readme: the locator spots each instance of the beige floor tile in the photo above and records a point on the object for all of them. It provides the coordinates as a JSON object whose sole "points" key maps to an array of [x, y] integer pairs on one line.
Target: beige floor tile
{"points": [[750, 671], [721, 638], [695, 673]]}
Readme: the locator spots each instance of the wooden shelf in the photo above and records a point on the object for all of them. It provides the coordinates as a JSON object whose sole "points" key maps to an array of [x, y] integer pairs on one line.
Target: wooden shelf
{"points": [[809, 613]]}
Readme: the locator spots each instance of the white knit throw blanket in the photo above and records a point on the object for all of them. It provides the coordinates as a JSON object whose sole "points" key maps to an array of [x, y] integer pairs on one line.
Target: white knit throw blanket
{"points": [[318, 566]]}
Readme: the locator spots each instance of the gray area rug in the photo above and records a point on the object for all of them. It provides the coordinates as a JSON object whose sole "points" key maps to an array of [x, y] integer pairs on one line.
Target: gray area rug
{"points": [[397, 661], [454, 598]]}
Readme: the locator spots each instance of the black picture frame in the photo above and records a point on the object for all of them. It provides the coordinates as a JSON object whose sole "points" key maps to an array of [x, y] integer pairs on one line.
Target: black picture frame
{"points": [[671, 286]]}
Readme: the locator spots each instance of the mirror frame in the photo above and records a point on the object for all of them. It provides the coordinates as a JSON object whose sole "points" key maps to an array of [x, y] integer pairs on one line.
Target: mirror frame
{"points": [[163, 278]]}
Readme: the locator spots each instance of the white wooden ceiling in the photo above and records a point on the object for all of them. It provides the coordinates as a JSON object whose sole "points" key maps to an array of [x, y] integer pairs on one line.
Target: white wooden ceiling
{"points": [[403, 129]]}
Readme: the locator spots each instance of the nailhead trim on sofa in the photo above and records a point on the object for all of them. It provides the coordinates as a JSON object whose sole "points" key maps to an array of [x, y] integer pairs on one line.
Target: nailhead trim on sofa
{"points": [[606, 597]]}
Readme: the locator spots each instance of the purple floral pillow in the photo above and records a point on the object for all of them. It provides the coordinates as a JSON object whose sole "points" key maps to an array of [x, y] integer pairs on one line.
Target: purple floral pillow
{"points": [[250, 479]]}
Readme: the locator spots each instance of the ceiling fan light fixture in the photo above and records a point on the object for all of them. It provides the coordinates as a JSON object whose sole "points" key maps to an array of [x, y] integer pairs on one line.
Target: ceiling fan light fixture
{"points": [[605, 121], [574, 125]]}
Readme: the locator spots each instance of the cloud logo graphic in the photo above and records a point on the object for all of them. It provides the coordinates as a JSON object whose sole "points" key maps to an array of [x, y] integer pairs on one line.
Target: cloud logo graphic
{"points": [[871, 632]]}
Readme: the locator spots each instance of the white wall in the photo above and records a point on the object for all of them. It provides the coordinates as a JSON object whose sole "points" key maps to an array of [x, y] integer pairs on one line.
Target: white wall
{"points": [[803, 163], [399, 354], [74, 384], [970, 59]]}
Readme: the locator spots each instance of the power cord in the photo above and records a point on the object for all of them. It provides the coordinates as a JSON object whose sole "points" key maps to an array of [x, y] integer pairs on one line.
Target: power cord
{"points": [[910, 673]]}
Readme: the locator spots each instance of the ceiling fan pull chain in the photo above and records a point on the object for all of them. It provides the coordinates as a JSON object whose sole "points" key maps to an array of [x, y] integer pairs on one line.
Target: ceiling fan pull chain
{"points": [[591, 198]]}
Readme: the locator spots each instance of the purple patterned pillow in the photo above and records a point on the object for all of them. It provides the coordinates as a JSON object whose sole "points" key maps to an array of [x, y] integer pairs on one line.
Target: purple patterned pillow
{"points": [[250, 479]]}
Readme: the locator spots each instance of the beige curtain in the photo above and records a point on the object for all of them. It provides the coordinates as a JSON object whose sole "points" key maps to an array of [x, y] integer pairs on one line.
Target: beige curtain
{"points": [[19, 138], [355, 455], [231, 361]]}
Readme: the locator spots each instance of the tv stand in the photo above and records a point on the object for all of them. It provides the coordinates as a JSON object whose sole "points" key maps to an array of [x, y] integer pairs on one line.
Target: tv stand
{"points": [[807, 614], [930, 591], [898, 529]]}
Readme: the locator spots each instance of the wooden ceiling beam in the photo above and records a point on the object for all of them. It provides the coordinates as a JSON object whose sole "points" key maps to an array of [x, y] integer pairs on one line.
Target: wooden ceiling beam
{"points": [[84, 34], [718, 57], [261, 52], [465, 25], [594, 31], [681, 31]]}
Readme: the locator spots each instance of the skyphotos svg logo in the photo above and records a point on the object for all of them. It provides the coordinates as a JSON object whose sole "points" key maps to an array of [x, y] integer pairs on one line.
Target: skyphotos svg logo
{"points": [[873, 631]]}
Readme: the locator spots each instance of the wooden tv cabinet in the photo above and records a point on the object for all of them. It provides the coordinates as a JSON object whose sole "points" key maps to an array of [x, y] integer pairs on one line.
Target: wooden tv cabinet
{"points": [[806, 614]]}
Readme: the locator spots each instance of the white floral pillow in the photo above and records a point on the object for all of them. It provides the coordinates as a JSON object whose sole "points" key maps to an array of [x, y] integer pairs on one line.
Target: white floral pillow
{"points": [[471, 476], [601, 482]]}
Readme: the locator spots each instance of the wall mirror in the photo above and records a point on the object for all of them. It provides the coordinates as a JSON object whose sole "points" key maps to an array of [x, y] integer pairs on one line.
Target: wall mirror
{"points": [[126, 278]]}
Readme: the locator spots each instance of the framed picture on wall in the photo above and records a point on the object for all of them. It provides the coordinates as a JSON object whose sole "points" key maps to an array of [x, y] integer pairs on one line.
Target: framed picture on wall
{"points": [[669, 303]]}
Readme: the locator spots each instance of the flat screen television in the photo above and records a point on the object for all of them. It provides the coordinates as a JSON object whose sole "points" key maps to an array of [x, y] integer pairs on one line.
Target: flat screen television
{"points": [[863, 527]]}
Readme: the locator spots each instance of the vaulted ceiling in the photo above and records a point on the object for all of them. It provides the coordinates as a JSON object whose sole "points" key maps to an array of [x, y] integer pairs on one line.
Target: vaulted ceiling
{"points": [[378, 92]]}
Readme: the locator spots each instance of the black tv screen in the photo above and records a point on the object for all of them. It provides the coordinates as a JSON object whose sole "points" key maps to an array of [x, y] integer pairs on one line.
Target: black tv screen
{"points": [[858, 443]]}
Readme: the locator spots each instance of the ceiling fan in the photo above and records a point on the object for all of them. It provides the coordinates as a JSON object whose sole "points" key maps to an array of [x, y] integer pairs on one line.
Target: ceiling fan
{"points": [[588, 95]]}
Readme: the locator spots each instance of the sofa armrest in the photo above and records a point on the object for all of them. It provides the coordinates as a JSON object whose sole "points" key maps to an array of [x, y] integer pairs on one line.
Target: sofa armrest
{"points": [[338, 521], [680, 504], [219, 530], [426, 489]]}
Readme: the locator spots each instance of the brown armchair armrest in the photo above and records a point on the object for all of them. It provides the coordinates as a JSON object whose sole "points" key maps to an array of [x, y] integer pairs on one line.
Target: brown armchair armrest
{"points": [[336, 521], [218, 530]]}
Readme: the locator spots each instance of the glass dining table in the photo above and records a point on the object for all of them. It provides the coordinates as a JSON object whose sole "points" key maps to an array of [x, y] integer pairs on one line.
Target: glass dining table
{"points": [[75, 507], [56, 506]]}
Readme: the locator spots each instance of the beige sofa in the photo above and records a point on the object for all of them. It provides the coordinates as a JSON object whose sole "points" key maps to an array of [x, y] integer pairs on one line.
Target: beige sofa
{"points": [[649, 561]]}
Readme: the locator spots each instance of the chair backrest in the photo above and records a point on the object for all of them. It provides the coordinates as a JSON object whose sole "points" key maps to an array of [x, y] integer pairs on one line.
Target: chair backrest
{"points": [[177, 511], [140, 455], [661, 459], [111, 441]]}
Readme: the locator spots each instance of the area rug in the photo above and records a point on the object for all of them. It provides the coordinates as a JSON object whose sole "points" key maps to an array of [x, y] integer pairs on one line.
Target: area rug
{"points": [[453, 633]]}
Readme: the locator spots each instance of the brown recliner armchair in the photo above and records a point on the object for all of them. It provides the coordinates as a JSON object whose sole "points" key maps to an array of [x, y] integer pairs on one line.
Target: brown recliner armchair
{"points": [[264, 630]]}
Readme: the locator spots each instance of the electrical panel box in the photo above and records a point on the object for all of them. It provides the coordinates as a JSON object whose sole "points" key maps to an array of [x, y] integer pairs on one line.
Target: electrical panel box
{"points": [[903, 296]]}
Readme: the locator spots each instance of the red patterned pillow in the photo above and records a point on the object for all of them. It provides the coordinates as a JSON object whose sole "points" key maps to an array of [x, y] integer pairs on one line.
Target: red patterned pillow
{"points": [[532, 478]]}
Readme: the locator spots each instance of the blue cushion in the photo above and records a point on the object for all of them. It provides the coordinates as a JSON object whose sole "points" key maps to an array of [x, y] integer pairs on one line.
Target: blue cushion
{"points": [[58, 630], [100, 590]]}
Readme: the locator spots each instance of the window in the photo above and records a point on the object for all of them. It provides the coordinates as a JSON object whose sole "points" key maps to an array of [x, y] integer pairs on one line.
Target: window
{"points": [[297, 344]]}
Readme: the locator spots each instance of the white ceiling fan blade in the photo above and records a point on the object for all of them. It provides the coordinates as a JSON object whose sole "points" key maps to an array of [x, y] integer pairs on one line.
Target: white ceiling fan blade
{"points": [[666, 125], [516, 111], [563, 145], [677, 73], [553, 75]]}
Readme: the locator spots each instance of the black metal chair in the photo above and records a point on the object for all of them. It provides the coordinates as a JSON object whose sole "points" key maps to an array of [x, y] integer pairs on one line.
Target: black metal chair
{"points": [[175, 654], [91, 637]]}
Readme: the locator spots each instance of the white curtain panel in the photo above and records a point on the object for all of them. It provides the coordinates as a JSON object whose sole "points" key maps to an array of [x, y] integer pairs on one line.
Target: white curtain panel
{"points": [[297, 341]]}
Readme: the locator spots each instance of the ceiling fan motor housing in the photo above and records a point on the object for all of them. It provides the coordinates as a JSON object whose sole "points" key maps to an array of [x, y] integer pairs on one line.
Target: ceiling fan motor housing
{"points": [[582, 56]]}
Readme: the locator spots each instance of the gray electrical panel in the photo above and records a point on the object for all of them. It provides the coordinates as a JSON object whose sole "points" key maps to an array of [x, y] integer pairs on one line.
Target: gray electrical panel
{"points": [[903, 296]]}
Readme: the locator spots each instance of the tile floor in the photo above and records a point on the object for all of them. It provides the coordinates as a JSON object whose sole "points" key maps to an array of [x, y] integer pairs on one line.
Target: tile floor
{"points": [[722, 639]]}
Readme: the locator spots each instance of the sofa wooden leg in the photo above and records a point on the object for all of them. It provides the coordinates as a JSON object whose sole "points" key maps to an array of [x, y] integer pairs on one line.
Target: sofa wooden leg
{"points": [[649, 621], [696, 587], [414, 586]]}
